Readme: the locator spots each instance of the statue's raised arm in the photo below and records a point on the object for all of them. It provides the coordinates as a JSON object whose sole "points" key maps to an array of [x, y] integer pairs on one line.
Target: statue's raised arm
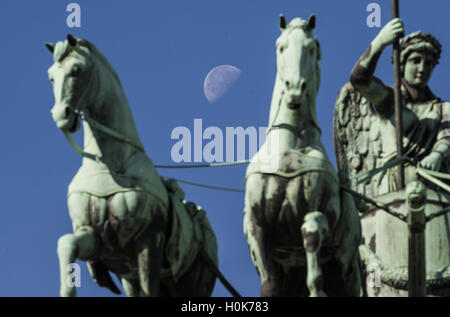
{"points": [[362, 78]]}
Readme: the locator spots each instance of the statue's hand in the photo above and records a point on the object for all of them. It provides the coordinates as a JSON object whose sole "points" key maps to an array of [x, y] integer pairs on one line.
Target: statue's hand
{"points": [[390, 32], [432, 161]]}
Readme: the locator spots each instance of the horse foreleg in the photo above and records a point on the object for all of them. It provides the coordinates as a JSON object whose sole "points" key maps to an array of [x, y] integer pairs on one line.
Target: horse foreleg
{"points": [[261, 250], [314, 230], [258, 231], [80, 245], [150, 252]]}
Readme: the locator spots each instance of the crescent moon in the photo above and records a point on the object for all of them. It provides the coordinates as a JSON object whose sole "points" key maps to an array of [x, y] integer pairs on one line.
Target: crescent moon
{"points": [[219, 81]]}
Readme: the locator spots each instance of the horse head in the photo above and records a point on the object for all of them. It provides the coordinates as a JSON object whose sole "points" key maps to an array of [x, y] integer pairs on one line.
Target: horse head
{"points": [[298, 54], [74, 81]]}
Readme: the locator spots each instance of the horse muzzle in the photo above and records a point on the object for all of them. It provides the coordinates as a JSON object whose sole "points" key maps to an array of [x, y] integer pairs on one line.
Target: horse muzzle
{"points": [[295, 99], [65, 118], [295, 94]]}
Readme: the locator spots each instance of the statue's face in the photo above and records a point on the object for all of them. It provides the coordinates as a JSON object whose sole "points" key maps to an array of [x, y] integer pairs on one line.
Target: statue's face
{"points": [[418, 69]]}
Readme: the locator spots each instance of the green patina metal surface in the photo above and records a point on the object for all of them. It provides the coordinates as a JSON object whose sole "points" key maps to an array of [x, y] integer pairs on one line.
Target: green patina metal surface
{"points": [[303, 232], [126, 219]]}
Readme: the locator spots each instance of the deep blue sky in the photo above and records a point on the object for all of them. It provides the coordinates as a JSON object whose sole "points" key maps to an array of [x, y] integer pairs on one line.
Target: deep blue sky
{"points": [[162, 51]]}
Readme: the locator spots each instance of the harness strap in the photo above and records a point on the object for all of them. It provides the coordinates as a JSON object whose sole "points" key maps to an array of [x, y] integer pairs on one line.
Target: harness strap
{"points": [[110, 132], [296, 173], [100, 127], [427, 175], [219, 274], [79, 150]]}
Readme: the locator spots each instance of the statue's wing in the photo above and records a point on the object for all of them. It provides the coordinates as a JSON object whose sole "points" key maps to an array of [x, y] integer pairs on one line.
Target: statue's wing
{"points": [[357, 139], [100, 274]]}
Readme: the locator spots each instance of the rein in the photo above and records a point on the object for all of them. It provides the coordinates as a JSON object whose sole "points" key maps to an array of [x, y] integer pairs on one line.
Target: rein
{"points": [[99, 127], [286, 126]]}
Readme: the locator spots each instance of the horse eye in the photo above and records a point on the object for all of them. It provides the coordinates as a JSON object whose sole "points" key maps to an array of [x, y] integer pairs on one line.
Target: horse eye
{"points": [[76, 71]]}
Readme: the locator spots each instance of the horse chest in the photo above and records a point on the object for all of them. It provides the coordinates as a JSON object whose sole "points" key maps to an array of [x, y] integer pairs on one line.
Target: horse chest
{"points": [[121, 218], [277, 207], [280, 198]]}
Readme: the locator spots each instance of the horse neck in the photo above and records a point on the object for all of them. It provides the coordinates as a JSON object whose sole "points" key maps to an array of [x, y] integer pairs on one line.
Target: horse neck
{"points": [[296, 129], [110, 109]]}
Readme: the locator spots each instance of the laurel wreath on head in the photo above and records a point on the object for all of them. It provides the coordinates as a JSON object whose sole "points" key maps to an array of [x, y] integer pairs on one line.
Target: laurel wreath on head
{"points": [[418, 42]]}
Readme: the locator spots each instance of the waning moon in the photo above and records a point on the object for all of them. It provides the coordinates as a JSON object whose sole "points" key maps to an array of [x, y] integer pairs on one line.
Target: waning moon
{"points": [[219, 81]]}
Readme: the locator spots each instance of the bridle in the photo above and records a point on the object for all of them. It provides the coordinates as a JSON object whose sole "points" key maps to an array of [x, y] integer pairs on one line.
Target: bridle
{"points": [[84, 115], [272, 124], [102, 128]]}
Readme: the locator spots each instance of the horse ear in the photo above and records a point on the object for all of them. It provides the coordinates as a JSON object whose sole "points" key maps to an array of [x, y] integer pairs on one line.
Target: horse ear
{"points": [[312, 22], [72, 41], [282, 22], [50, 46]]}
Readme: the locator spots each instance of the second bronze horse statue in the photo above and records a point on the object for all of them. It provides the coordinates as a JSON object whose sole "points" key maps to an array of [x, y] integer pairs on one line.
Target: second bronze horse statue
{"points": [[303, 230]]}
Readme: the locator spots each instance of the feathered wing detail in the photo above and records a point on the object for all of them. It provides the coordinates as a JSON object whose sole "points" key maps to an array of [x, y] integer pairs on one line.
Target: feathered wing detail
{"points": [[357, 141]]}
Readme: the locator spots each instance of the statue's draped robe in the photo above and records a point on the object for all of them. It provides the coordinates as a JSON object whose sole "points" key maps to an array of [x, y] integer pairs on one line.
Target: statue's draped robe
{"points": [[426, 122]]}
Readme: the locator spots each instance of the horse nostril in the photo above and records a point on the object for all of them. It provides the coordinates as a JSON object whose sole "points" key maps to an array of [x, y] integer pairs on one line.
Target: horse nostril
{"points": [[303, 86], [288, 84], [68, 111]]}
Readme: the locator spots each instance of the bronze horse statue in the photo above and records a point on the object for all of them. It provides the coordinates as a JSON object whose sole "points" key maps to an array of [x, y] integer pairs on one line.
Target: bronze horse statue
{"points": [[125, 218], [303, 231]]}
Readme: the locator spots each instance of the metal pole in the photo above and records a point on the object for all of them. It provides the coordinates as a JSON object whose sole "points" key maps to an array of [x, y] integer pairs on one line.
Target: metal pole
{"points": [[397, 99], [416, 239]]}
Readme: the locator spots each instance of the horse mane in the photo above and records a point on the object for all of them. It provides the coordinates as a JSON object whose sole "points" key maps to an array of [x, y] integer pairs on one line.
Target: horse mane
{"points": [[63, 49], [297, 23], [302, 24]]}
